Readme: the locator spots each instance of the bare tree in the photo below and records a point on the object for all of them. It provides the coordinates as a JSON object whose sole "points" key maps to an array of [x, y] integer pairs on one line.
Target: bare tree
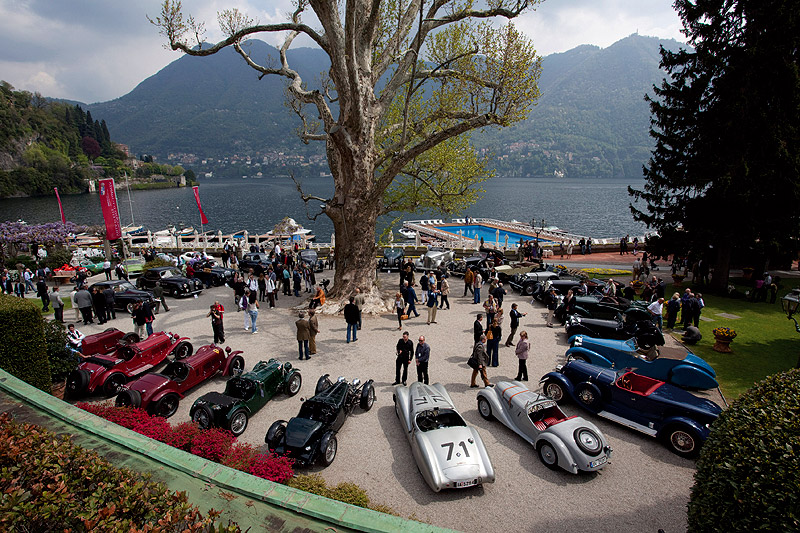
{"points": [[407, 78]]}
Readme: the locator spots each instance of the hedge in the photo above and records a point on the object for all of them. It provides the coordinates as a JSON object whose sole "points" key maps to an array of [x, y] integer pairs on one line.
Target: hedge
{"points": [[50, 484], [23, 351], [748, 473]]}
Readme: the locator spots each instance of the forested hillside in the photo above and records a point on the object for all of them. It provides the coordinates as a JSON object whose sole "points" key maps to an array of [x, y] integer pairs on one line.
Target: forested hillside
{"points": [[45, 144]]}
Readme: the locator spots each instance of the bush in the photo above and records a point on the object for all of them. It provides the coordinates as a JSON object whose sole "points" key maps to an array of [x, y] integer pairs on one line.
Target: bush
{"points": [[156, 263], [343, 492], [23, 351], [748, 472], [213, 444], [276, 468], [50, 484], [62, 362], [57, 258]]}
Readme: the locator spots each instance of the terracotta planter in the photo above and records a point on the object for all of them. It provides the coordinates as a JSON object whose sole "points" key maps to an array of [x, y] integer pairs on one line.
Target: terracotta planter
{"points": [[722, 344], [678, 280]]}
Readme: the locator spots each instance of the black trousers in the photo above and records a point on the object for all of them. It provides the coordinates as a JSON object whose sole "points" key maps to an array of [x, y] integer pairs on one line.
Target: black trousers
{"points": [[219, 333], [444, 302], [398, 363], [422, 372], [522, 371], [59, 313], [110, 311], [86, 313]]}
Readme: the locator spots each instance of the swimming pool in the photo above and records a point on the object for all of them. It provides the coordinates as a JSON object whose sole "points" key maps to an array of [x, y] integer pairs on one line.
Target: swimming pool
{"points": [[488, 233]]}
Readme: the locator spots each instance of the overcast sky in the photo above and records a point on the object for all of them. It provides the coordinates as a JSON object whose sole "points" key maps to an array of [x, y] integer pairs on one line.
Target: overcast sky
{"points": [[97, 50]]}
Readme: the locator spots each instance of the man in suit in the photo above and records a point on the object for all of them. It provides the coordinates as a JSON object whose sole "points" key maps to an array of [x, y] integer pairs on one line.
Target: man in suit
{"points": [[313, 325], [477, 329], [423, 356], [303, 335], [480, 354], [405, 352]]}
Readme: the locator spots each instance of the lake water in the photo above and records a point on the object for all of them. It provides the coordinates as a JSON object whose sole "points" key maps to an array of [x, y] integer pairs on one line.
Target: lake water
{"points": [[597, 208]]}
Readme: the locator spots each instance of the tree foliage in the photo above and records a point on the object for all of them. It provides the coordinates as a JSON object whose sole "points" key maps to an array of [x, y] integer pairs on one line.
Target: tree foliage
{"points": [[405, 78], [724, 172]]}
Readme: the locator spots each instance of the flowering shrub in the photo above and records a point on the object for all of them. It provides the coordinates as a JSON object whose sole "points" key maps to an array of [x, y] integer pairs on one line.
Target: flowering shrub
{"points": [[214, 444], [724, 333]]}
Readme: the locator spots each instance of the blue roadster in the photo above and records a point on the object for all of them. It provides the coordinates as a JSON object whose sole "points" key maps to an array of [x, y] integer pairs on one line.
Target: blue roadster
{"points": [[673, 365], [672, 415]]}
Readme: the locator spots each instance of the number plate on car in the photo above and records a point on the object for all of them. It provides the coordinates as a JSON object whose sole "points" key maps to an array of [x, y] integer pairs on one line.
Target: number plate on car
{"points": [[599, 462], [460, 484]]}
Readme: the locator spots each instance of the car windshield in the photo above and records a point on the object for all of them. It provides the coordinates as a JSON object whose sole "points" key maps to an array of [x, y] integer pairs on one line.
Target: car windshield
{"points": [[126, 287], [431, 419], [172, 273]]}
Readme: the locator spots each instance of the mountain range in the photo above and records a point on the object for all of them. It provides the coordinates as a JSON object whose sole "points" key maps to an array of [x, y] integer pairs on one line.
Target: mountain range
{"points": [[591, 120]]}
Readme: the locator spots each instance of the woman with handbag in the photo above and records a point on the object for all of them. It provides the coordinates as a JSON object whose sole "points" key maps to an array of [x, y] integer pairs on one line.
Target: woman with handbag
{"points": [[493, 335], [522, 349]]}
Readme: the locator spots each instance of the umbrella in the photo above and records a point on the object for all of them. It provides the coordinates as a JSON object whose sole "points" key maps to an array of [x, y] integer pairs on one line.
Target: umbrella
{"points": [[391, 236], [506, 241], [417, 239], [497, 237]]}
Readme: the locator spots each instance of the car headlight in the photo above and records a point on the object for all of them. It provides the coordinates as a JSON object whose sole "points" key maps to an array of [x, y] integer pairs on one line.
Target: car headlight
{"points": [[216, 407], [308, 448], [185, 286]]}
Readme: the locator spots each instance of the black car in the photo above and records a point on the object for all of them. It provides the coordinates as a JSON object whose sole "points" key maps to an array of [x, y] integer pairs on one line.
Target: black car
{"points": [[562, 285], [207, 271], [125, 294], [605, 307], [255, 260], [646, 332], [172, 280], [311, 258], [393, 259], [311, 435]]}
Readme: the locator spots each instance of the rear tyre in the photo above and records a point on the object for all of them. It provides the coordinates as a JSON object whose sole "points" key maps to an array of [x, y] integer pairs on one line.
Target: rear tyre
{"points": [[77, 382], [328, 446], [166, 406], [130, 338], [183, 350], [322, 384], [203, 416], [367, 397], [294, 384], [528, 289], [484, 408], [129, 308], [275, 435], [128, 398], [548, 455], [113, 384]]}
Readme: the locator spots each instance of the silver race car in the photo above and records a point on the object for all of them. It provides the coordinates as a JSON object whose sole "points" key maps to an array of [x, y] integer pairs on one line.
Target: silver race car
{"points": [[571, 443], [449, 453]]}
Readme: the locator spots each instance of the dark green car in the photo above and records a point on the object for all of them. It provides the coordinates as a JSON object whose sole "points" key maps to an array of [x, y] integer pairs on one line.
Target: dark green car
{"points": [[244, 395]]}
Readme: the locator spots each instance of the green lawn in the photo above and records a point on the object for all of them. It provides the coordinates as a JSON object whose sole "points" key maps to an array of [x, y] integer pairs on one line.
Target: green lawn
{"points": [[767, 341]]}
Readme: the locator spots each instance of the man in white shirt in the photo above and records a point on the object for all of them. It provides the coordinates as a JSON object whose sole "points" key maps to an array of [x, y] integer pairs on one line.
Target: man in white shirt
{"points": [[656, 311]]}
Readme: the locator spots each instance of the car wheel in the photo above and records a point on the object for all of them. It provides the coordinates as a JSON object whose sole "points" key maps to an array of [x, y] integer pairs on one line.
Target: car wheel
{"points": [[113, 383], [588, 395], [396, 411], [367, 397], [129, 308], [130, 338], [275, 435], [183, 350], [237, 366], [485, 408], [548, 455], [107, 330], [294, 384], [554, 390], [166, 406], [683, 441], [238, 422], [77, 383], [322, 383], [588, 441], [528, 289], [329, 448], [203, 416], [128, 398]]}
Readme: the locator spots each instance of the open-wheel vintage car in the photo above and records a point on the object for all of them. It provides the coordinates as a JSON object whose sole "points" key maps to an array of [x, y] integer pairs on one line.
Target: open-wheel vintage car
{"points": [[645, 332], [568, 442], [678, 366], [449, 453], [109, 372], [172, 280], [606, 308], [244, 395], [676, 417], [433, 258], [160, 393], [393, 259], [310, 436], [106, 341]]}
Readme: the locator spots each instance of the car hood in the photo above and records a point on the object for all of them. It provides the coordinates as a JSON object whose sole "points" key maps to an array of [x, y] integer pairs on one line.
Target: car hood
{"points": [[299, 431]]}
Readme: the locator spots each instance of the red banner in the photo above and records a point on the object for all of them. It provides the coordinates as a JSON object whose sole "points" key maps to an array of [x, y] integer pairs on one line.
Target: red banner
{"points": [[60, 207], [203, 219], [108, 203]]}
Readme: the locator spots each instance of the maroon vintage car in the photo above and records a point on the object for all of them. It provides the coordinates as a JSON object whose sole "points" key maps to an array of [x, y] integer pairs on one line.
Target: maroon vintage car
{"points": [[107, 341], [109, 372], [161, 393]]}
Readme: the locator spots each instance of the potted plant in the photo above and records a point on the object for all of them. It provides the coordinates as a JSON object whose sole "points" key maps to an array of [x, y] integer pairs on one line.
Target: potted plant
{"points": [[722, 339]]}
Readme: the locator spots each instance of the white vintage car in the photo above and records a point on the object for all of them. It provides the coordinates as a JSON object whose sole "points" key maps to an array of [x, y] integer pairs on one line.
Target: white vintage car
{"points": [[571, 443], [449, 453], [433, 258]]}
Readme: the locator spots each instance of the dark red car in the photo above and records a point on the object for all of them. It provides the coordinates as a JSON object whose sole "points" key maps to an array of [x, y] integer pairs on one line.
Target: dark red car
{"points": [[107, 341], [109, 372], [161, 393]]}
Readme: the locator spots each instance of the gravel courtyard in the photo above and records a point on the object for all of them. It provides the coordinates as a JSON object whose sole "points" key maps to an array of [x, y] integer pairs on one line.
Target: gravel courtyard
{"points": [[644, 488]]}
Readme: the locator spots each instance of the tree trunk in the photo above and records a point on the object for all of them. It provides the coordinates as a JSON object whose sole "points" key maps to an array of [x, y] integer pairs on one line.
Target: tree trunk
{"points": [[722, 269], [355, 223]]}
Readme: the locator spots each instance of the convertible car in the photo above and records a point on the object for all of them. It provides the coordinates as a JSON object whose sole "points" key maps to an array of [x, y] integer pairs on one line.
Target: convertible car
{"points": [[433, 258], [311, 435], [672, 415], [527, 283], [393, 259], [603, 307], [244, 395], [646, 332], [111, 371], [673, 365], [211, 274], [571, 443], [161, 393], [483, 261], [449, 453], [172, 280], [106, 341], [125, 294]]}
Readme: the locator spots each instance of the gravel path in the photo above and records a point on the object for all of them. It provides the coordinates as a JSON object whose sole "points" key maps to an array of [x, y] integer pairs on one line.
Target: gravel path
{"points": [[643, 489]]}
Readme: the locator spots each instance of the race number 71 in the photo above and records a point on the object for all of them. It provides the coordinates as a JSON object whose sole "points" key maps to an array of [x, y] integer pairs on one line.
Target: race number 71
{"points": [[451, 445]]}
